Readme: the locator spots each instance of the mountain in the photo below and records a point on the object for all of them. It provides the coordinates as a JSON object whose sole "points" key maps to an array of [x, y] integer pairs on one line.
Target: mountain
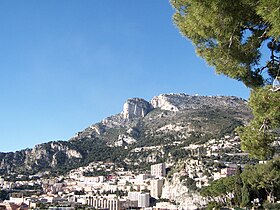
{"points": [[170, 122]]}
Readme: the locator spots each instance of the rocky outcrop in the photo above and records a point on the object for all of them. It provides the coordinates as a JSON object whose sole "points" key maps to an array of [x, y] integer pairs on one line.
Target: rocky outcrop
{"points": [[162, 101], [42, 156], [168, 118], [174, 190], [177, 102], [136, 107]]}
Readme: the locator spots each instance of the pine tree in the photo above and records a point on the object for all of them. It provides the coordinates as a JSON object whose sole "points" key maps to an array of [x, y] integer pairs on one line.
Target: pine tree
{"points": [[258, 136], [231, 36], [245, 196], [238, 186]]}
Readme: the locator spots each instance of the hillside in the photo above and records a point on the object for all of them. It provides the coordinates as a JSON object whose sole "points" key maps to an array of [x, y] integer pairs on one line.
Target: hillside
{"points": [[146, 132]]}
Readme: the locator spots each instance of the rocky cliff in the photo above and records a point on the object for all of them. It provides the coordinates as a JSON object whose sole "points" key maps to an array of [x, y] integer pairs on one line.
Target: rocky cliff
{"points": [[167, 119], [42, 157], [136, 107], [176, 102], [175, 190]]}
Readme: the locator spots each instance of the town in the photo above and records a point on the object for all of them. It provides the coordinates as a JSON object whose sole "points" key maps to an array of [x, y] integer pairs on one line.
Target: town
{"points": [[103, 185]]}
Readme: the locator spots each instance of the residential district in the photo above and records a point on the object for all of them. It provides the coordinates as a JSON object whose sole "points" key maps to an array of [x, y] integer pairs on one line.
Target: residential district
{"points": [[103, 185]]}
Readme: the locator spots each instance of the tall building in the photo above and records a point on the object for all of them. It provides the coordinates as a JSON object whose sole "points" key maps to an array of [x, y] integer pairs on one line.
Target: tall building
{"points": [[158, 170], [156, 188], [144, 200]]}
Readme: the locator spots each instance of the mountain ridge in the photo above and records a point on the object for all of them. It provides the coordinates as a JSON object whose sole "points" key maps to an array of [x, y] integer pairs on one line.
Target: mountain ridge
{"points": [[163, 120]]}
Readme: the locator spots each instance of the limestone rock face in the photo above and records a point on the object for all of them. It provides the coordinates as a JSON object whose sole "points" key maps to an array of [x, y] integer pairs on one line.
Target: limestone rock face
{"points": [[136, 107], [163, 102], [168, 119], [181, 101], [174, 190]]}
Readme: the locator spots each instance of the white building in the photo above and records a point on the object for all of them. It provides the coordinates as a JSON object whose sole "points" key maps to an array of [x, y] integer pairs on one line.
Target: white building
{"points": [[144, 200], [156, 188], [142, 177], [133, 196], [166, 205], [158, 170], [110, 202]]}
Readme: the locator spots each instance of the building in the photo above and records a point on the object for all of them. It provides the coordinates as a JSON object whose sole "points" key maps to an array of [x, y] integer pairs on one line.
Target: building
{"points": [[156, 187], [166, 205], [133, 196], [227, 172], [142, 177], [158, 170], [110, 202], [144, 200]]}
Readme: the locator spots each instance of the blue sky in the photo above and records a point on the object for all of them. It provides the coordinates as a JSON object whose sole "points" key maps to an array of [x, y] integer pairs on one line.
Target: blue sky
{"points": [[70, 63]]}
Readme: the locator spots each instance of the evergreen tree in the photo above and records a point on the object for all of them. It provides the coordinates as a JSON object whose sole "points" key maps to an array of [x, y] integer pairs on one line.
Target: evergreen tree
{"points": [[258, 136], [245, 196], [263, 179], [238, 186], [231, 36]]}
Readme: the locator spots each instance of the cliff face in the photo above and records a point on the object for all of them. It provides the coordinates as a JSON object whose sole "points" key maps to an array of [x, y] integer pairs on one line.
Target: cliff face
{"points": [[136, 107], [42, 157], [174, 190], [176, 102], [168, 118]]}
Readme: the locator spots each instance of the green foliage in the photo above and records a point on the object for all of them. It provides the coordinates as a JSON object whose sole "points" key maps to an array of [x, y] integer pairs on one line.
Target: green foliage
{"points": [[270, 11], [213, 205], [95, 173], [260, 181], [220, 188], [264, 177], [256, 138], [229, 34], [245, 196], [238, 186], [272, 206], [189, 182]]}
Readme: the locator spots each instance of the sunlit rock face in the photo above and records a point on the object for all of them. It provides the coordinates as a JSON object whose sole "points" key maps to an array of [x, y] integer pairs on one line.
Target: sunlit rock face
{"points": [[163, 102], [167, 118], [174, 190], [136, 107], [177, 102]]}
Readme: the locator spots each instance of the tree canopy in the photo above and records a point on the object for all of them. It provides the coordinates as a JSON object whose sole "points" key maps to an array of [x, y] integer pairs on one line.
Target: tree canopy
{"points": [[260, 182], [230, 36], [263, 130], [241, 39]]}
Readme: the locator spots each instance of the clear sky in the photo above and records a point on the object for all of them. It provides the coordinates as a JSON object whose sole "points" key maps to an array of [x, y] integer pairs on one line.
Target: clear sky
{"points": [[66, 64]]}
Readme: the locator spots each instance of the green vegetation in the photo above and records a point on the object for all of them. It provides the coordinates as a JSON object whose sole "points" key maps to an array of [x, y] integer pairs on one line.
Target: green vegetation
{"points": [[230, 38], [261, 181], [95, 173], [258, 136]]}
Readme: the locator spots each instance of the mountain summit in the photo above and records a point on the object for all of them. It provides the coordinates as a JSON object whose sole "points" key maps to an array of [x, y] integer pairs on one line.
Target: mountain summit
{"points": [[166, 119]]}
